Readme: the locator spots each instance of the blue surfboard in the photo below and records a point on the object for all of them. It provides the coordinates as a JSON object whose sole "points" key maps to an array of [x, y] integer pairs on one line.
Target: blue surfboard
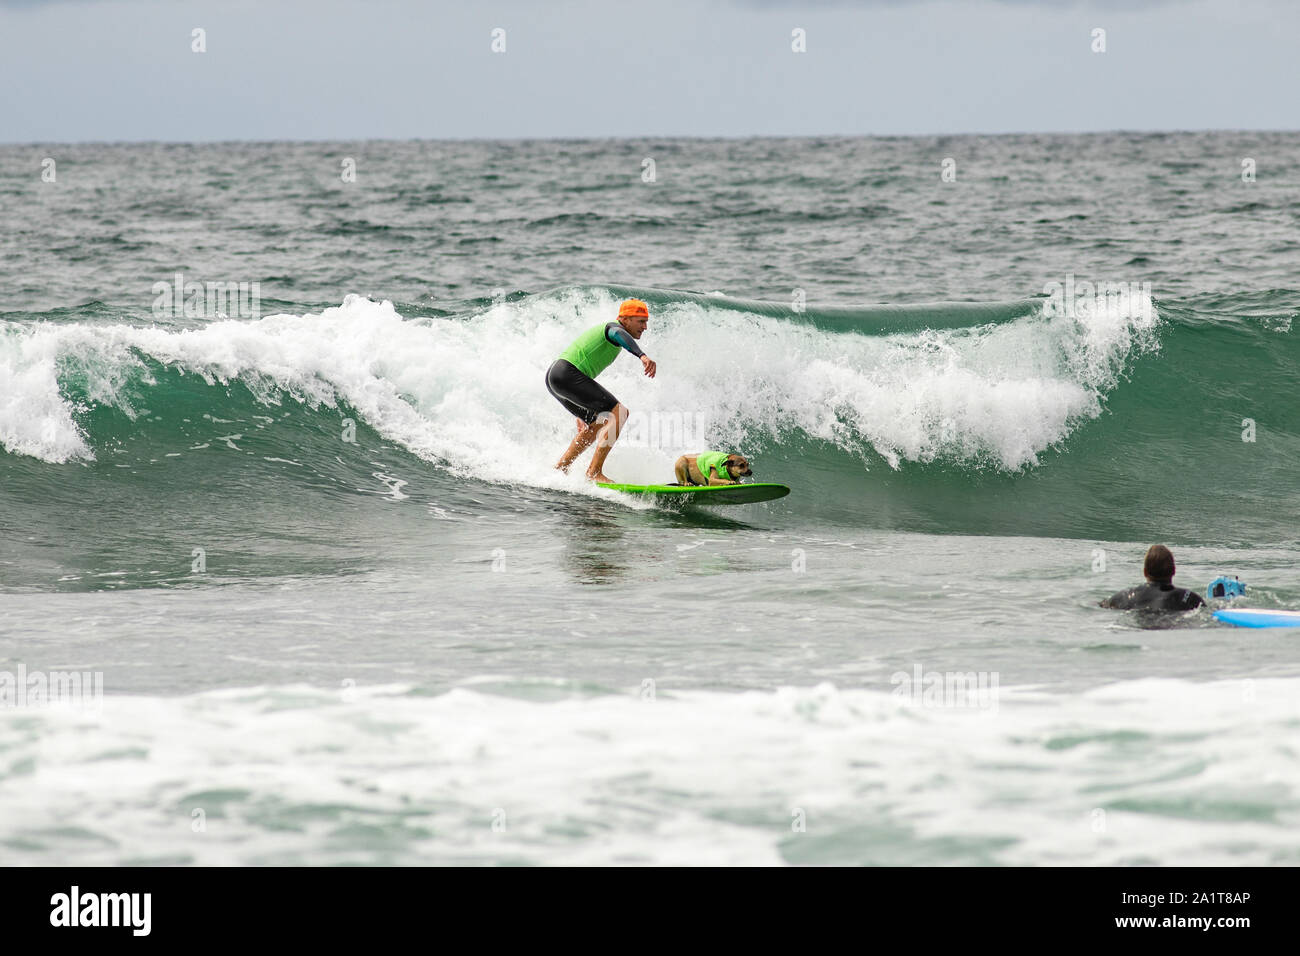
{"points": [[1258, 617]]}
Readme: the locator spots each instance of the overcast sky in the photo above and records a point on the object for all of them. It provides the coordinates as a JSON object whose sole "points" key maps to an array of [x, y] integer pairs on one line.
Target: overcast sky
{"points": [[79, 70]]}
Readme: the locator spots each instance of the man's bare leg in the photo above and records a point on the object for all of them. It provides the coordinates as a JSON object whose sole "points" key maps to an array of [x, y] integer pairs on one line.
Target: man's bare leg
{"points": [[609, 433], [586, 435]]}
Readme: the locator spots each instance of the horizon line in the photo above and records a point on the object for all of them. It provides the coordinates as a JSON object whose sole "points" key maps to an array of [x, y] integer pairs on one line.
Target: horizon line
{"points": [[654, 136]]}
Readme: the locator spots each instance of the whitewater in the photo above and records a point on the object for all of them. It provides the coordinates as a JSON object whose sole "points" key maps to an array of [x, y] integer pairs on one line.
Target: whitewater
{"points": [[464, 392]]}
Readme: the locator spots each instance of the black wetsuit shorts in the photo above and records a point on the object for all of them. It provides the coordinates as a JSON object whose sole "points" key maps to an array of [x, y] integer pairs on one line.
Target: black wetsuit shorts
{"points": [[580, 394]]}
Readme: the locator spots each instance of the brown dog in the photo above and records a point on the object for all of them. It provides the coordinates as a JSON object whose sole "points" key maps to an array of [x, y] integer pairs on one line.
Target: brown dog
{"points": [[728, 471]]}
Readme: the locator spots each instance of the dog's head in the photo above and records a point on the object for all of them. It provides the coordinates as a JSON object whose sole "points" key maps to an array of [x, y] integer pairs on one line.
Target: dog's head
{"points": [[738, 466]]}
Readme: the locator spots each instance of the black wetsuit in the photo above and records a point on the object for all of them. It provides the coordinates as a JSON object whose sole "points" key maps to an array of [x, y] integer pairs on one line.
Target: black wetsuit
{"points": [[1154, 597], [580, 395]]}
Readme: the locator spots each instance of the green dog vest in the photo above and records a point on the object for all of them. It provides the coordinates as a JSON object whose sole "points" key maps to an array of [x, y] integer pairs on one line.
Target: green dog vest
{"points": [[715, 460]]}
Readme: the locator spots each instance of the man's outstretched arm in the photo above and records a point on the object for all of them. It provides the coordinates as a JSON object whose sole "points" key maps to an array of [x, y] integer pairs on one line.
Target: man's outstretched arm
{"points": [[620, 337]]}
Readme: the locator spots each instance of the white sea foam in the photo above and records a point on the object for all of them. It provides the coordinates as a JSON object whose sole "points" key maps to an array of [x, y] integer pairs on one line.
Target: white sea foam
{"points": [[468, 393], [1141, 772]]}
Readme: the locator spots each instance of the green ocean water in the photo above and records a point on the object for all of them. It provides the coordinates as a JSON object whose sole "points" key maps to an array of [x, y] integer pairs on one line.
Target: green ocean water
{"points": [[334, 525]]}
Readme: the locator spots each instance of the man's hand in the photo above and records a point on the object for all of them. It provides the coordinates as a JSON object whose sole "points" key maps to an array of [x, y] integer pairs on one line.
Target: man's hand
{"points": [[648, 365]]}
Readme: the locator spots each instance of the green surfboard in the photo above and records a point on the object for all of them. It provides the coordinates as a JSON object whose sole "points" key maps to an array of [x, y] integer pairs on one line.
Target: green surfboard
{"points": [[745, 494]]}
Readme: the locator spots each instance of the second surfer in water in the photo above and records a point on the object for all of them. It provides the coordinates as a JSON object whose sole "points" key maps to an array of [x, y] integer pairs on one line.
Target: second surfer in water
{"points": [[572, 380], [1159, 593]]}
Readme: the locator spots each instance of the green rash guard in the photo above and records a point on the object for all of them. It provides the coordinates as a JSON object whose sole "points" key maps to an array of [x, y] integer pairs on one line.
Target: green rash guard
{"points": [[715, 460], [592, 351]]}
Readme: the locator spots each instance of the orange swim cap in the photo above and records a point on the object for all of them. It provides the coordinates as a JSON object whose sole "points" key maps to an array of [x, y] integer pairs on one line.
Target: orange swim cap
{"points": [[633, 309]]}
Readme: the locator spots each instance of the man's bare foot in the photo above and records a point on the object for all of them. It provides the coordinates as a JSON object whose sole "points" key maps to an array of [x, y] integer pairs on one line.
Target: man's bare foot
{"points": [[561, 466], [608, 481]]}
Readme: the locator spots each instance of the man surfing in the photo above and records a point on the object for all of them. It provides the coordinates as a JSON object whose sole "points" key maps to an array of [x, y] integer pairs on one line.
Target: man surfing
{"points": [[572, 380]]}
